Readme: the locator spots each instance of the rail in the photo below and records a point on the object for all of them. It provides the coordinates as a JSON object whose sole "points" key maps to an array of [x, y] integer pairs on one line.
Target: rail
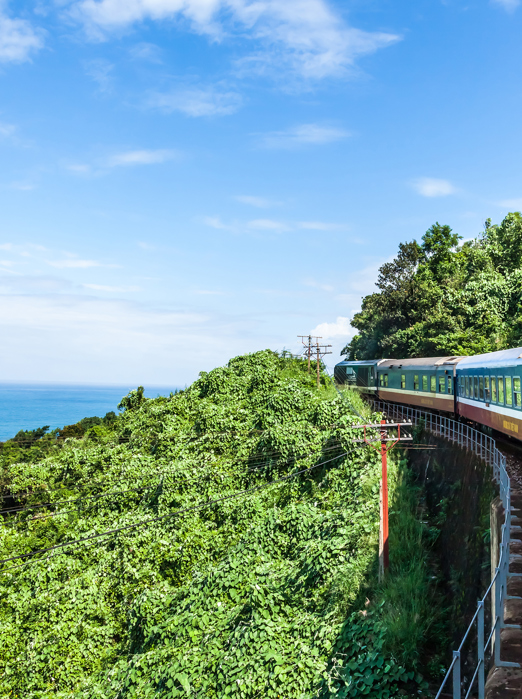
{"points": [[485, 448]]}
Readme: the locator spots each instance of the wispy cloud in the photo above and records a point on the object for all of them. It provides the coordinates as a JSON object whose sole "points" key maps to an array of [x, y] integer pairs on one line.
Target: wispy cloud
{"points": [[508, 5], [196, 101], [306, 37], [112, 289], [258, 202], [303, 135], [18, 39], [74, 263], [142, 157], [513, 204], [431, 187], [145, 51], [100, 71], [317, 285], [267, 224], [127, 158], [6, 130]]}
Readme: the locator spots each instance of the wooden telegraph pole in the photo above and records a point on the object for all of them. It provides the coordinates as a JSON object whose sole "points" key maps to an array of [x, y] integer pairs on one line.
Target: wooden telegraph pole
{"points": [[385, 444], [308, 347], [321, 351]]}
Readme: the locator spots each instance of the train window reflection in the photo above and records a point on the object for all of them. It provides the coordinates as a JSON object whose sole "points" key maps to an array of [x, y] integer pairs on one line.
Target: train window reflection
{"points": [[442, 384], [416, 382], [450, 384], [493, 389], [433, 383], [500, 389], [475, 381], [467, 386], [424, 383], [516, 391], [487, 394], [481, 387], [509, 393], [403, 381]]}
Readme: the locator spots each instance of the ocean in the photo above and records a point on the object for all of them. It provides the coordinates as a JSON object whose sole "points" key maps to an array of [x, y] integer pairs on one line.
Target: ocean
{"points": [[28, 406]]}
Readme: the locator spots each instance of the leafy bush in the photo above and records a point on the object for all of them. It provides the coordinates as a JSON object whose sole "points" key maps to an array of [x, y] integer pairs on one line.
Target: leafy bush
{"points": [[260, 593]]}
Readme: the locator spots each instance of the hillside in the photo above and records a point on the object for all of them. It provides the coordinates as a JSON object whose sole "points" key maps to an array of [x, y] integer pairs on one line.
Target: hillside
{"points": [[246, 548], [440, 298]]}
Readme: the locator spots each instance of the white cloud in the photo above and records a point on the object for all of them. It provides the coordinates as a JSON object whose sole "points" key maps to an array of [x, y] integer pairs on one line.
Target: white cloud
{"points": [[146, 52], [141, 157], [89, 339], [305, 36], [508, 5], [267, 224], [80, 168], [431, 187], [18, 39], [112, 289], [258, 202], [302, 135], [513, 204], [340, 328], [197, 102]]}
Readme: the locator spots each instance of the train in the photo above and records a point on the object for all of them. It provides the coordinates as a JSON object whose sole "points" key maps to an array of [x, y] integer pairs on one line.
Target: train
{"points": [[483, 388]]}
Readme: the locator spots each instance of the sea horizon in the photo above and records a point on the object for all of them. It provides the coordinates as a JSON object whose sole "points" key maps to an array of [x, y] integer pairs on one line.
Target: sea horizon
{"points": [[26, 405]]}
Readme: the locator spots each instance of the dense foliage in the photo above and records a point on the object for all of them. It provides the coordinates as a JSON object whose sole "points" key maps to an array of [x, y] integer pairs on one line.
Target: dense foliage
{"points": [[441, 298], [259, 594]]}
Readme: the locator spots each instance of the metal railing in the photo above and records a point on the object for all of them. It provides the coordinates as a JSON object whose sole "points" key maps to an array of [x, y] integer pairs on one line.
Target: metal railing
{"points": [[485, 448]]}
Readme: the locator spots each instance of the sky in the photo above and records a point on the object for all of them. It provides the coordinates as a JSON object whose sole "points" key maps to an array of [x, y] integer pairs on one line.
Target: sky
{"points": [[183, 181]]}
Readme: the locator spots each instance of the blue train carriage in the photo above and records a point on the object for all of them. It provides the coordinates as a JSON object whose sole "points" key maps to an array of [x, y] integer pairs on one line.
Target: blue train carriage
{"points": [[426, 383], [489, 390], [360, 375]]}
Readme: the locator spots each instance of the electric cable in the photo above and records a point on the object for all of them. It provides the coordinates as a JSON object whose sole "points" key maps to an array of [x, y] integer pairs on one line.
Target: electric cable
{"points": [[151, 520]]}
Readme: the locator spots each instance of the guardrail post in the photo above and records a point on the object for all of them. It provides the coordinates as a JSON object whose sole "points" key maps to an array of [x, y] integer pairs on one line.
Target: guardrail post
{"points": [[456, 675], [496, 619], [480, 650]]}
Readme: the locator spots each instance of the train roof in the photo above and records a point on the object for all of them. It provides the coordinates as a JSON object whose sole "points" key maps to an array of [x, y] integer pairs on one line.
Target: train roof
{"points": [[509, 357], [418, 362]]}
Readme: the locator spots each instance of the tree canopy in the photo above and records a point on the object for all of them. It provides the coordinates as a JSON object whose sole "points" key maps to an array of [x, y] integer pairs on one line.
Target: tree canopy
{"points": [[439, 297]]}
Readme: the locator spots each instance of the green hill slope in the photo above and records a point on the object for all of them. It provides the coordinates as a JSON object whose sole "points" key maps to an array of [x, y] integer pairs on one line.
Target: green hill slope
{"points": [[259, 594]]}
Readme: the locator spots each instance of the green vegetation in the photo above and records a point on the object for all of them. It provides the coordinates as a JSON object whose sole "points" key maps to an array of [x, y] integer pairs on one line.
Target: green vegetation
{"points": [[271, 591], [438, 298]]}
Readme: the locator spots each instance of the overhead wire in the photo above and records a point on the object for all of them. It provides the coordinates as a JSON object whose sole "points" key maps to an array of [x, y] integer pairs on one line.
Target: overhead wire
{"points": [[151, 520]]}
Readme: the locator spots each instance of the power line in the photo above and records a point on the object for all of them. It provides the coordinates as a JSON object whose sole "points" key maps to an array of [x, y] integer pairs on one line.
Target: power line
{"points": [[171, 514]]}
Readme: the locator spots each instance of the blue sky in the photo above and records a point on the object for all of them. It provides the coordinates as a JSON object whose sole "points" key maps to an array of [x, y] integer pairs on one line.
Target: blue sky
{"points": [[183, 181]]}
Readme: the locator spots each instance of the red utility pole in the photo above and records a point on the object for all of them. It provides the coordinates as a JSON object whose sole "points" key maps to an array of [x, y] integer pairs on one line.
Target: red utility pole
{"points": [[386, 444]]}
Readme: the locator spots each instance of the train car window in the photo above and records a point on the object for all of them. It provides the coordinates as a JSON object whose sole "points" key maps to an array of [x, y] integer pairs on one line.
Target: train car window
{"points": [[381, 379], [424, 383], [416, 382], [385, 379], [500, 389], [509, 392], [493, 389], [403, 381], [467, 386], [481, 387], [475, 382], [442, 384], [487, 395], [433, 383], [450, 384], [516, 391]]}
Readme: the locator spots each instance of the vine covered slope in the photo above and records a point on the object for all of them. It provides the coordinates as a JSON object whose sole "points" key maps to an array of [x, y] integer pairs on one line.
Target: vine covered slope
{"points": [[255, 595]]}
